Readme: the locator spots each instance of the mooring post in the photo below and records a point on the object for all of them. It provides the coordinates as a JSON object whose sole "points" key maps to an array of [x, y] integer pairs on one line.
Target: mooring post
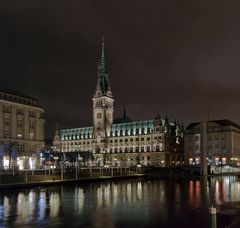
{"points": [[213, 217]]}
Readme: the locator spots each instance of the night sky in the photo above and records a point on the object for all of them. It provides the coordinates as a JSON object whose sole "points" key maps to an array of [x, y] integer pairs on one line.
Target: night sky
{"points": [[173, 57]]}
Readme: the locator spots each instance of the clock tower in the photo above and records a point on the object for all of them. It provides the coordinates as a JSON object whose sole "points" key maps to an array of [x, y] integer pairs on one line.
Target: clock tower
{"points": [[102, 101]]}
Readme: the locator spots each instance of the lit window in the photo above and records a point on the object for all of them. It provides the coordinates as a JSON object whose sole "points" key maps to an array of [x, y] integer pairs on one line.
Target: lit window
{"points": [[19, 135], [190, 161], [31, 136], [224, 161], [197, 161]]}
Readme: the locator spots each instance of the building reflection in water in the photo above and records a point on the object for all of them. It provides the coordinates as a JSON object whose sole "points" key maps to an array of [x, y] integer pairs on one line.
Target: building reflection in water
{"points": [[110, 203], [5, 209], [194, 193], [22, 208], [54, 204], [79, 200], [42, 205]]}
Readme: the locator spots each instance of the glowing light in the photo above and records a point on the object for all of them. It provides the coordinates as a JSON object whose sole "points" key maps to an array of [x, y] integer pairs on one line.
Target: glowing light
{"points": [[190, 160], [20, 163], [32, 163], [6, 162]]}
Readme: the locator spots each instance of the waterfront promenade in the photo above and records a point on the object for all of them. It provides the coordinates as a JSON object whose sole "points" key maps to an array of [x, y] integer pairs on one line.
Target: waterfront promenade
{"points": [[58, 176], [46, 177]]}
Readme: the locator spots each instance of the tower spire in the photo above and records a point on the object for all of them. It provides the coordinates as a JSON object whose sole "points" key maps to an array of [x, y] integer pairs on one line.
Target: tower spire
{"points": [[103, 48], [102, 63], [103, 84]]}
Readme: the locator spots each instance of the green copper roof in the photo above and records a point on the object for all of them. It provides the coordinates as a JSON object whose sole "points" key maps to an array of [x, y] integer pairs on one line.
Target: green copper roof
{"points": [[119, 129], [77, 133], [103, 82]]}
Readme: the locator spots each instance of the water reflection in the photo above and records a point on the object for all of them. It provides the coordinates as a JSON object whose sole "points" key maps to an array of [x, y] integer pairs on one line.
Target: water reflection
{"points": [[42, 205], [166, 203]]}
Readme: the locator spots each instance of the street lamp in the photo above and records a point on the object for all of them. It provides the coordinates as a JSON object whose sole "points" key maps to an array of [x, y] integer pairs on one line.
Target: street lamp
{"points": [[76, 165], [49, 171], [128, 164]]}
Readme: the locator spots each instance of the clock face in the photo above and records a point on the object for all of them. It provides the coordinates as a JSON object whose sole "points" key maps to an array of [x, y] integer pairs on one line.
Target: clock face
{"points": [[99, 115]]}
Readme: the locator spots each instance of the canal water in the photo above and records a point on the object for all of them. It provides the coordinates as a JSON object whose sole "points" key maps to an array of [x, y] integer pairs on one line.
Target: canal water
{"points": [[129, 203]]}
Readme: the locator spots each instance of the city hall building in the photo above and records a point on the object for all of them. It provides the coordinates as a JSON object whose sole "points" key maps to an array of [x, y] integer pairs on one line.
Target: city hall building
{"points": [[22, 128], [122, 142]]}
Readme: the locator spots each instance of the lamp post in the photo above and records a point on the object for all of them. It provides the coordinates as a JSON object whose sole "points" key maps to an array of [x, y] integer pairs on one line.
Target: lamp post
{"points": [[32, 163], [221, 166], [1, 167], [26, 177], [1, 158], [113, 163], [120, 168], [62, 170], [76, 167], [128, 163], [49, 171], [212, 217], [90, 168], [13, 153], [80, 163]]}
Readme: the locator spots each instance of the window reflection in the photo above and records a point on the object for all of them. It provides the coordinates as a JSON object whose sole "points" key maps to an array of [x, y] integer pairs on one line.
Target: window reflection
{"points": [[54, 205]]}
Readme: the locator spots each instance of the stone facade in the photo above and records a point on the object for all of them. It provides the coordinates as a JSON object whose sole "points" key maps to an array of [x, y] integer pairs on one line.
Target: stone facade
{"points": [[21, 130], [223, 143], [122, 142]]}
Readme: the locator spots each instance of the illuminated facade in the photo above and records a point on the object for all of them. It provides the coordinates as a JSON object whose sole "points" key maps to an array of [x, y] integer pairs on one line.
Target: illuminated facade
{"points": [[223, 137], [21, 130], [122, 142]]}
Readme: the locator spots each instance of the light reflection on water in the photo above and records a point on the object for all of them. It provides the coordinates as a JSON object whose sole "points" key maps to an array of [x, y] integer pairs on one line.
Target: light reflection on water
{"points": [[165, 203]]}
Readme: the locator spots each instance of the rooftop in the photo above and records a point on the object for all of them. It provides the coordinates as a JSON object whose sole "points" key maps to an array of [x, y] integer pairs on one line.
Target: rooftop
{"points": [[17, 97], [224, 123], [16, 93]]}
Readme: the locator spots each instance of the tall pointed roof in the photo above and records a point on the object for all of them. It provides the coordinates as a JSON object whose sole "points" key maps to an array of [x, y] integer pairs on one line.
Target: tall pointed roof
{"points": [[102, 63], [57, 134], [103, 85], [103, 48]]}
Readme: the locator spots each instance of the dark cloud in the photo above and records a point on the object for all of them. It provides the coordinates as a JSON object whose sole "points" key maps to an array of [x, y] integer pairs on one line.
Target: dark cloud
{"points": [[172, 57]]}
